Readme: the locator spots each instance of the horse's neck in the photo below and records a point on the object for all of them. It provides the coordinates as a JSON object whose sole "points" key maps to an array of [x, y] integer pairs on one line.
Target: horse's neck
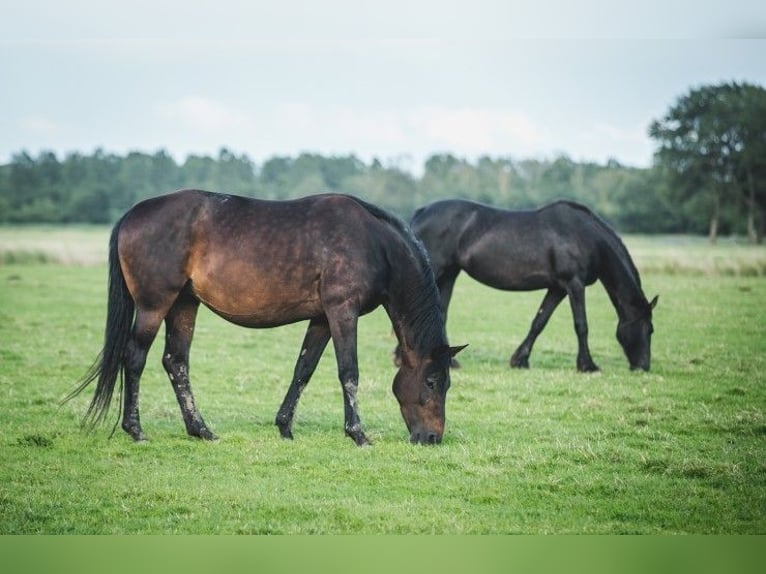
{"points": [[622, 282]]}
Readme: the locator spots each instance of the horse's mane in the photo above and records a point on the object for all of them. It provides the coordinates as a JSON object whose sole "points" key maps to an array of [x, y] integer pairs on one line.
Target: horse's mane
{"points": [[610, 235], [404, 230], [423, 311]]}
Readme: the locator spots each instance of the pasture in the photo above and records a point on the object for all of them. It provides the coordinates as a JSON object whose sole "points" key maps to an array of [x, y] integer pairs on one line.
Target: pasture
{"points": [[681, 449]]}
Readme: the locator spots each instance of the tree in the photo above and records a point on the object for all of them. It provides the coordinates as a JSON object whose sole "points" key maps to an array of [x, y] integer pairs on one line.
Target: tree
{"points": [[446, 176], [199, 172], [274, 175], [99, 187], [235, 174], [711, 145], [752, 163]]}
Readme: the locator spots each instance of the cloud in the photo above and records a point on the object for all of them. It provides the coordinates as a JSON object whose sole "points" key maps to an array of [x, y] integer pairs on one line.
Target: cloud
{"points": [[603, 141], [419, 130], [203, 114], [478, 130], [39, 126], [293, 127]]}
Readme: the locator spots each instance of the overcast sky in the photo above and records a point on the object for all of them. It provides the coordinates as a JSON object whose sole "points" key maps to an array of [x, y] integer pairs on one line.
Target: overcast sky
{"points": [[398, 80]]}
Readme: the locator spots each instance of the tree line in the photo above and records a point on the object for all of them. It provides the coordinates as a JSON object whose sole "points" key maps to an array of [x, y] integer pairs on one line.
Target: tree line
{"points": [[709, 176], [99, 187]]}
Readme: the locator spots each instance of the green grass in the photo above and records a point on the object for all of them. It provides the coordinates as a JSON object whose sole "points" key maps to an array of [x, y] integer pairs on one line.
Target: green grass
{"points": [[681, 449]]}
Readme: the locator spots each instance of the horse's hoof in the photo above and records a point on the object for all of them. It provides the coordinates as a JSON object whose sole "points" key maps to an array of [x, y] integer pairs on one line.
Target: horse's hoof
{"points": [[592, 368], [519, 363], [284, 430], [135, 433], [359, 438], [205, 434]]}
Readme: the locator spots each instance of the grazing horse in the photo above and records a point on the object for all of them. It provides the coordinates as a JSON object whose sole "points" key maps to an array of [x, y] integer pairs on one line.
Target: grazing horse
{"points": [[327, 259], [562, 247]]}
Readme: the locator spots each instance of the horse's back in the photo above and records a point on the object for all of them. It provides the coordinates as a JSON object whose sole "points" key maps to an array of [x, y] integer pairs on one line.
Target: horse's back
{"points": [[511, 249], [233, 228], [439, 226], [255, 262]]}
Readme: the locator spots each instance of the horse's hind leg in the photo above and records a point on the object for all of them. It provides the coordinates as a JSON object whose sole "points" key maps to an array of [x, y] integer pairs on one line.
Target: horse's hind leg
{"points": [[144, 330], [179, 331], [520, 357], [314, 343]]}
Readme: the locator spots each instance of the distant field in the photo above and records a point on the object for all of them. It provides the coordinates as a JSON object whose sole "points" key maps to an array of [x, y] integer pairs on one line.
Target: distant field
{"points": [[696, 256], [681, 449], [80, 245], [682, 254]]}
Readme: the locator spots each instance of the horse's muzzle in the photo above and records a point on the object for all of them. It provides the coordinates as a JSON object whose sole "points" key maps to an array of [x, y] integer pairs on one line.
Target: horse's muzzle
{"points": [[420, 437]]}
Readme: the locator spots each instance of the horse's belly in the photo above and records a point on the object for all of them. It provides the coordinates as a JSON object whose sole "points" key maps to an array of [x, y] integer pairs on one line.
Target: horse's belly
{"points": [[510, 273], [260, 303], [266, 318], [510, 281]]}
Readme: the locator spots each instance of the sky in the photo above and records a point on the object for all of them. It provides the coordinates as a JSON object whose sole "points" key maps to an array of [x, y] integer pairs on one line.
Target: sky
{"points": [[395, 80]]}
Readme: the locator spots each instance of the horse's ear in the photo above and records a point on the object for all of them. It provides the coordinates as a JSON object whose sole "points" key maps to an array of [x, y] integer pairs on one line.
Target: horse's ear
{"points": [[446, 352], [653, 302], [455, 350]]}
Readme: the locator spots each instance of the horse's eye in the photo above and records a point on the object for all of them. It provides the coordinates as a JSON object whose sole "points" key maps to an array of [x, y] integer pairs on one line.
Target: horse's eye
{"points": [[431, 382]]}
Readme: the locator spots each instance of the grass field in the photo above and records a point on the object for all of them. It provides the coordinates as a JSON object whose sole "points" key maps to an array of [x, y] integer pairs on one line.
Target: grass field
{"points": [[681, 449]]}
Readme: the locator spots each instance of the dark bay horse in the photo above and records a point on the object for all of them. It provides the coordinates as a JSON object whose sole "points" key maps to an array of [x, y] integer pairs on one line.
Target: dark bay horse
{"points": [[327, 259], [562, 247]]}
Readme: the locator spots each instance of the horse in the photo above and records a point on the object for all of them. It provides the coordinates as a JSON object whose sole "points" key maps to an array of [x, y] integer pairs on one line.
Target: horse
{"points": [[562, 247], [327, 259]]}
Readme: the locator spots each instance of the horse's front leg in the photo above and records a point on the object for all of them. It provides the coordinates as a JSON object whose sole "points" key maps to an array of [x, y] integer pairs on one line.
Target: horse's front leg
{"points": [[314, 343], [576, 292], [520, 357], [343, 323]]}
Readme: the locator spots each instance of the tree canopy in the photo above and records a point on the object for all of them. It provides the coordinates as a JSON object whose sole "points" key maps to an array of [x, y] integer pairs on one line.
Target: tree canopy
{"points": [[97, 188], [713, 150]]}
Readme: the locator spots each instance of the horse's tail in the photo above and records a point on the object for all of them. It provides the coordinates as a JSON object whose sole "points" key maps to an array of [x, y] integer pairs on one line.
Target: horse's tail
{"points": [[109, 364]]}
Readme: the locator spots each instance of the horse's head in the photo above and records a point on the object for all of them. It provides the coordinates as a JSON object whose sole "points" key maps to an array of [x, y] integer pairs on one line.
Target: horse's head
{"points": [[635, 336], [421, 388]]}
